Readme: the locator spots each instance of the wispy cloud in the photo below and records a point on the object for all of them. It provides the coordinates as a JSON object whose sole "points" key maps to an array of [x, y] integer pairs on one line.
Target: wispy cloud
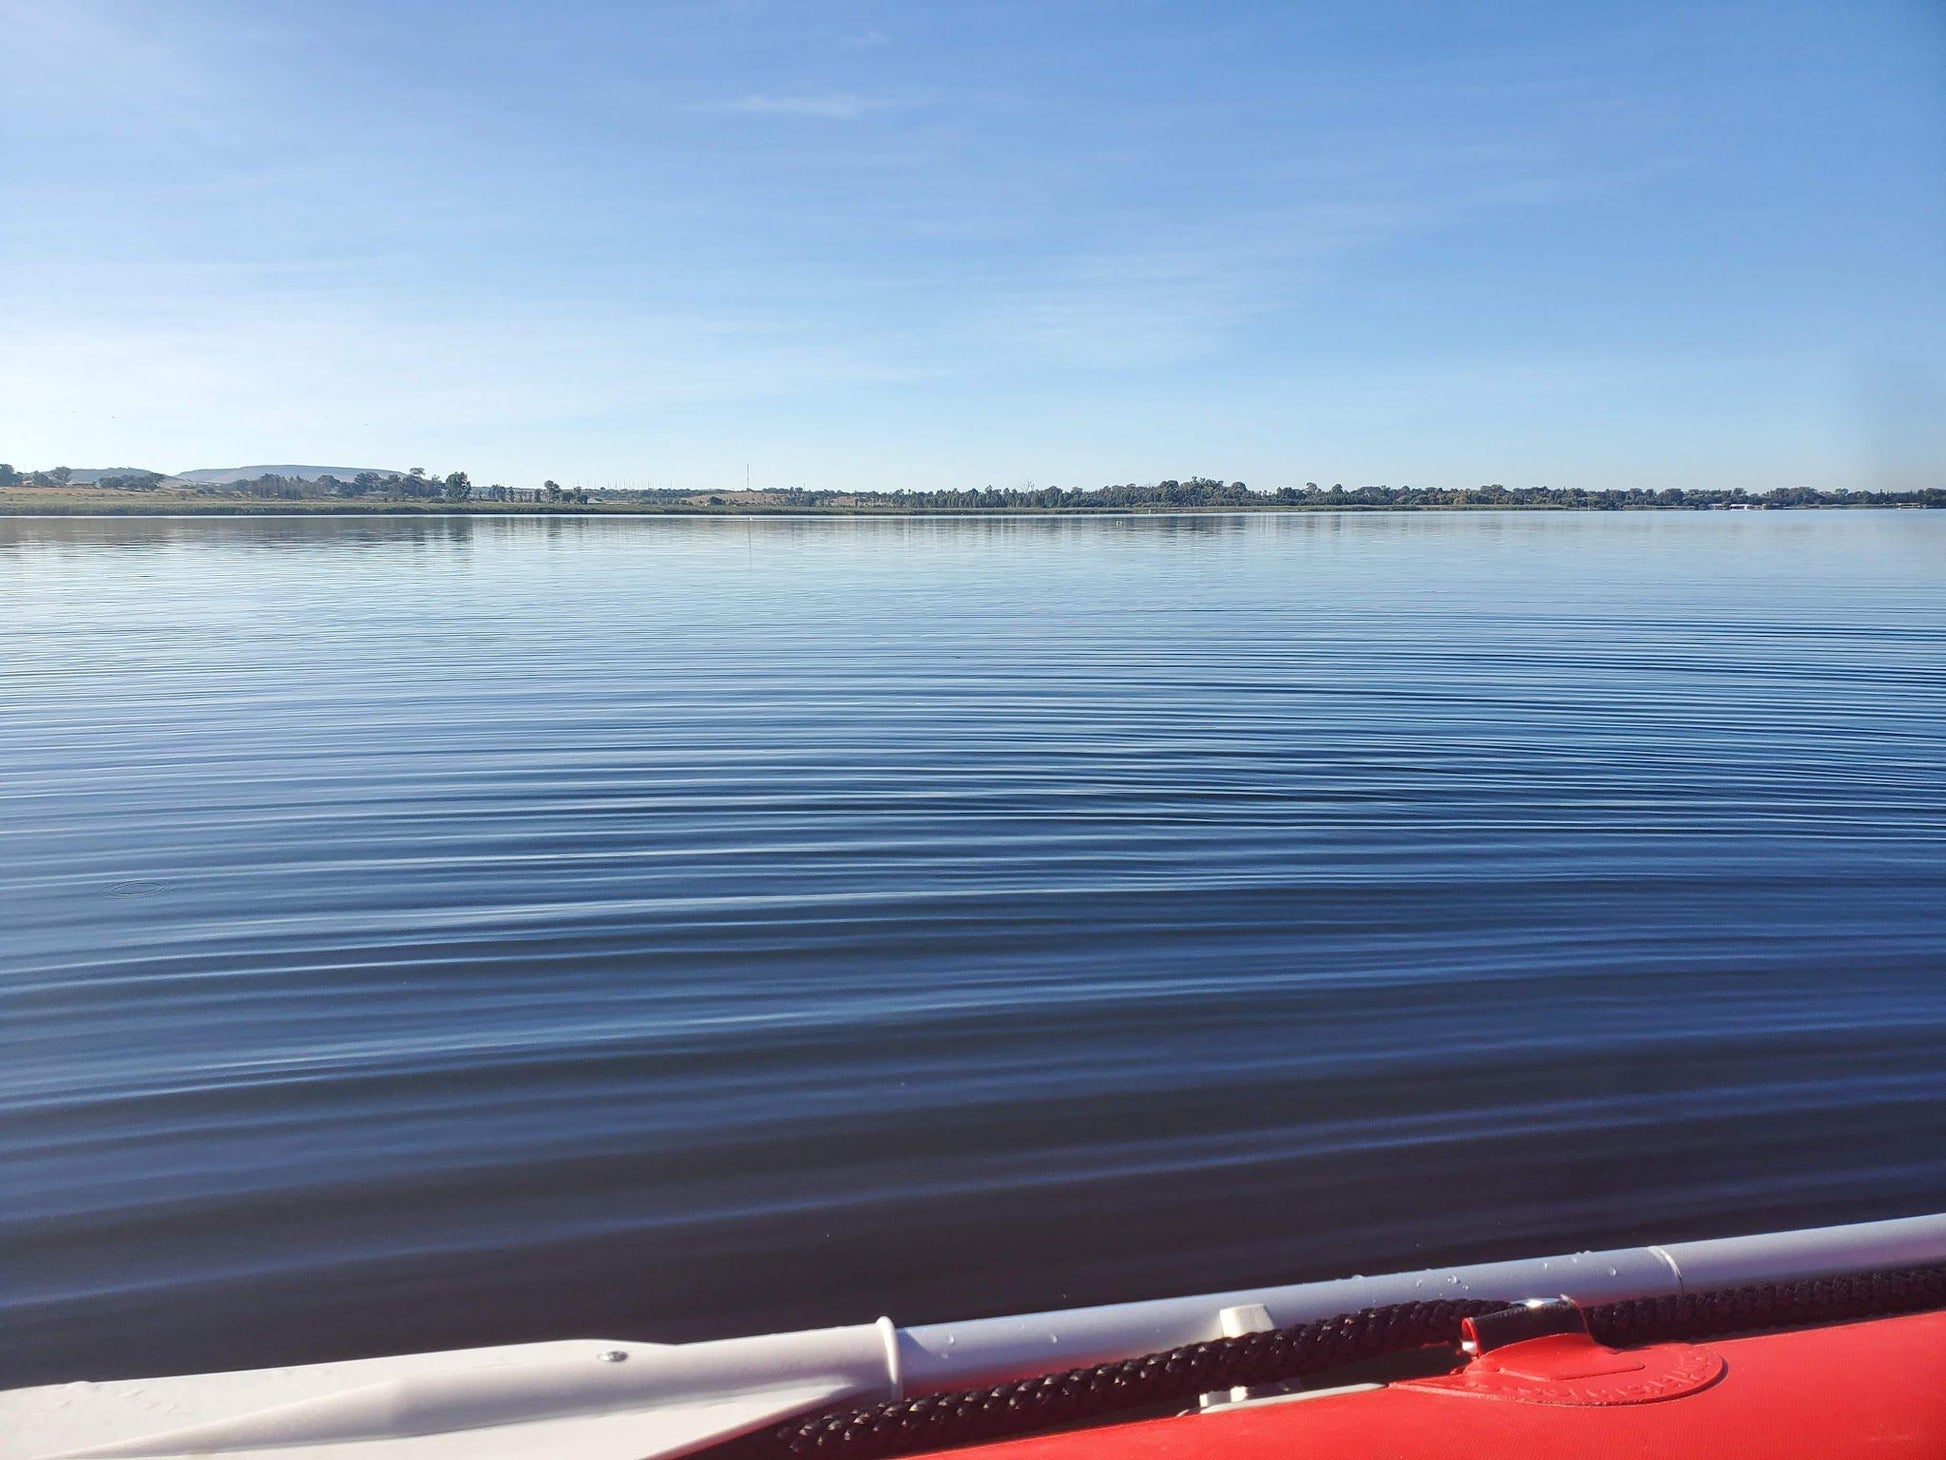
{"points": [[58, 54], [832, 106]]}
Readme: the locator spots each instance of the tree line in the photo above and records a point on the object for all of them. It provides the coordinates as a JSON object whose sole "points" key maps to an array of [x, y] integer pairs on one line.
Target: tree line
{"points": [[1209, 492]]}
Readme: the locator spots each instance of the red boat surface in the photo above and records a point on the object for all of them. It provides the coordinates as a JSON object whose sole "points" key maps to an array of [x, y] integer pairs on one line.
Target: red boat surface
{"points": [[1875, 1389]]}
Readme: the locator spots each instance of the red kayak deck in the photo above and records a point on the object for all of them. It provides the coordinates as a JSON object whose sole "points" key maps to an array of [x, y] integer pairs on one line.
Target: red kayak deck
{"points": [[1874, 1389]]}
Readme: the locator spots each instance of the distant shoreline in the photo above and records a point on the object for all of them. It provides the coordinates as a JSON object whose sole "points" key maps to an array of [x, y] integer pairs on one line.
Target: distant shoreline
{"points": [[289, 491], [55, 502]]}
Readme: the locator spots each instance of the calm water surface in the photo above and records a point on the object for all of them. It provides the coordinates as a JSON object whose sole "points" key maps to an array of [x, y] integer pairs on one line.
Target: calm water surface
{"points": [[431, 932]]}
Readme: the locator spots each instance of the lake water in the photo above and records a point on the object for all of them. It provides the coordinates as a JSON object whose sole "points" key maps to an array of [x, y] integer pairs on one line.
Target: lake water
{"points": [[429, 932]]}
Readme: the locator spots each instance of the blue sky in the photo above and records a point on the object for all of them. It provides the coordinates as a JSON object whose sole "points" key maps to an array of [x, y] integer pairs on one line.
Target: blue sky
{"points": [[867, 244]]}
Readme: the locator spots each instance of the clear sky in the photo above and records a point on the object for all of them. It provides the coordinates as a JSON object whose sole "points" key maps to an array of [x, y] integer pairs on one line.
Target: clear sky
{"points": [[954, 244]]}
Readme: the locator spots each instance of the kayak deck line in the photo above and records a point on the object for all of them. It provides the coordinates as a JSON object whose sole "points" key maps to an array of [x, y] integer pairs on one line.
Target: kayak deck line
{"points": [[625, 1400], [993, 1350]]}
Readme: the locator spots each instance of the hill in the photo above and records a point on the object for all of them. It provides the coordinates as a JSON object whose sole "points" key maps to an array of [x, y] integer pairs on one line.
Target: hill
{"points": [[212, 475]]}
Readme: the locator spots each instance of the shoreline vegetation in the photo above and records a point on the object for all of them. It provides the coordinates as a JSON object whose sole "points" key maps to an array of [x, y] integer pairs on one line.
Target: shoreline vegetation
{"points": [[61, 492]]}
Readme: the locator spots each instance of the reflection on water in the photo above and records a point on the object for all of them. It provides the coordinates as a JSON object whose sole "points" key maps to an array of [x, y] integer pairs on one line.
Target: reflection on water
{"points": [[434, 931]]}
